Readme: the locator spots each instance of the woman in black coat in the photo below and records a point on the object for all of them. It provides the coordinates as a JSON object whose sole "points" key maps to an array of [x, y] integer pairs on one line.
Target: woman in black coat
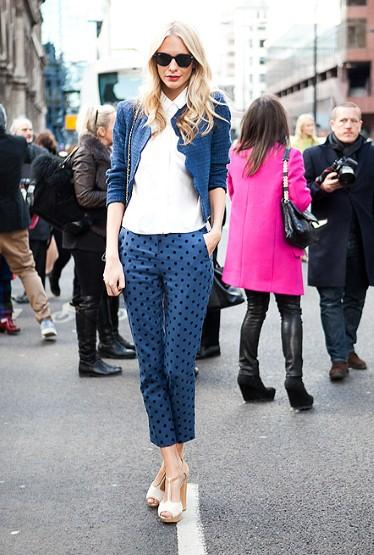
{"points": [[95, 311]]}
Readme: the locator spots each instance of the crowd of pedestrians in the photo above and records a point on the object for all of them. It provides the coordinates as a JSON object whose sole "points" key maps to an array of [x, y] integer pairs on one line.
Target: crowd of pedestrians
{"points": [[151, 179]]}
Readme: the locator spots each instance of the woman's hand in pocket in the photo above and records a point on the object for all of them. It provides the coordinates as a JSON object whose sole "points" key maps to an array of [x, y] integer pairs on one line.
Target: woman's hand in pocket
{"points": [[114, 277], [212, 238]]}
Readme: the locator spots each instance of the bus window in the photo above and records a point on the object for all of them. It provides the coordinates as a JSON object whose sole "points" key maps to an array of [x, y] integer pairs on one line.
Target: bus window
{"points": [[118, 85]]}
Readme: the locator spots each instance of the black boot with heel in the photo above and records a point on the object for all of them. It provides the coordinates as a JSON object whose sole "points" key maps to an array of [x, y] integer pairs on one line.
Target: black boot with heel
{"points": [[249, 381], [292, 341]]}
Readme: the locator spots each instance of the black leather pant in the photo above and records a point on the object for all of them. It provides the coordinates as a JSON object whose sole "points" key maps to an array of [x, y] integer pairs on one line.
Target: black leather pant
{"points": [[291, 331]]}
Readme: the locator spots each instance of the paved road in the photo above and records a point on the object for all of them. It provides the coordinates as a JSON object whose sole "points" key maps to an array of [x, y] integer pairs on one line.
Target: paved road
{"points": [[75, 460]]}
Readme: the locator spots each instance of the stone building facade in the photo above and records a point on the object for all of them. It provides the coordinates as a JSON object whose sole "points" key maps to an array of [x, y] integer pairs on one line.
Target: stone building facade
{"points": [[22, 60]]}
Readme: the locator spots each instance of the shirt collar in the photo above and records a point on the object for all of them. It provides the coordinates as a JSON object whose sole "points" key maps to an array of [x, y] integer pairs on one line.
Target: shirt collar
{"points": [[176, 104]]}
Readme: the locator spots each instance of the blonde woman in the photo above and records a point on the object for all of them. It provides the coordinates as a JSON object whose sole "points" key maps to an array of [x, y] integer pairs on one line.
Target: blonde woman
{"points": [[305, 133], [90, 164], [158, 244]]}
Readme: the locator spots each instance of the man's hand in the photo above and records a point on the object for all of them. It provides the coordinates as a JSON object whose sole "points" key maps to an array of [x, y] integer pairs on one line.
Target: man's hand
{"points": [[330, 183]]}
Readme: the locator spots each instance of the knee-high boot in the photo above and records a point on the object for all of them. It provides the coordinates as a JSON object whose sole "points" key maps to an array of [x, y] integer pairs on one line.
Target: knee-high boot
{"points": [[109, 346], [249, 381], [113, 308], [292, 341], [86, 315]]}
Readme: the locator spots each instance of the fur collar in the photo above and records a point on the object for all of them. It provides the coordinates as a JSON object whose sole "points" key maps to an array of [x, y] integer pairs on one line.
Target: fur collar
{"points": [[96, 147]]}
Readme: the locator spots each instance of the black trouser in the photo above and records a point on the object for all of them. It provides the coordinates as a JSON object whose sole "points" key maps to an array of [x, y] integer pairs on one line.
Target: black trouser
{"points": [[212, 322], [94, 308], [89, 269], [291, 332], [210, 333], [63, 256], [39, 251]]}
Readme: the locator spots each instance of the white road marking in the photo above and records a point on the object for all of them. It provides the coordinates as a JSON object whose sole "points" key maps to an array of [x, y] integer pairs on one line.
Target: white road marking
{"points": [[190, 529]]}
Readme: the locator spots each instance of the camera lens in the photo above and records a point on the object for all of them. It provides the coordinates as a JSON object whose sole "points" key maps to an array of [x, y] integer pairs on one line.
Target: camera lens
{"points": [[346, 176]]}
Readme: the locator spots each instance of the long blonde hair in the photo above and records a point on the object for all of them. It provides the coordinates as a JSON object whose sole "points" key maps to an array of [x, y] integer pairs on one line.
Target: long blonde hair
{"points": [[200, 103], [90, 118], [301, 121]]}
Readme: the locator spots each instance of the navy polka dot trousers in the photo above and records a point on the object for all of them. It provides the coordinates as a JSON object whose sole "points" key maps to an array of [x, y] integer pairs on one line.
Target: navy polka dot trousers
{"points": [[168, 281]]}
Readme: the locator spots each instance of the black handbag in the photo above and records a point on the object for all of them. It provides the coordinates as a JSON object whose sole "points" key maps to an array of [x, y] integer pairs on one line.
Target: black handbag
{"points": [[298, 226], [223, 295]]}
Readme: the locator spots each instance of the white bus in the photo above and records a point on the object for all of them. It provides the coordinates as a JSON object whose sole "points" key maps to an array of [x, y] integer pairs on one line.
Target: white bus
{"points": [[112, 79]]}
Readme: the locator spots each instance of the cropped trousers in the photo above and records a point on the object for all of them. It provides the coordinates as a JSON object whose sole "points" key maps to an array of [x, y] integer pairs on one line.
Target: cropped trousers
{"points": [[167, 285]]}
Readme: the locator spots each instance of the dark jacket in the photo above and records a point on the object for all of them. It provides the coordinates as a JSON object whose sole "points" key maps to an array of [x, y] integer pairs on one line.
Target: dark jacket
{"points": [[90, 164], [327, 258], [42, 230], [14, 214]]}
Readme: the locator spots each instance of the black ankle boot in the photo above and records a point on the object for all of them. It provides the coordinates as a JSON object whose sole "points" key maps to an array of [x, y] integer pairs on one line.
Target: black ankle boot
{"points": [[86, 322], [109, 345], [113, 349], [253, 389], [297, 394], [54, 284], [122, 341], [113, 304], [99, 368]]}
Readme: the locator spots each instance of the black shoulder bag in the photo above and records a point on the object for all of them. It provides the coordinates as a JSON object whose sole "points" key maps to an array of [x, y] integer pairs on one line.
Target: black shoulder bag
{"points": [[298, 226]]}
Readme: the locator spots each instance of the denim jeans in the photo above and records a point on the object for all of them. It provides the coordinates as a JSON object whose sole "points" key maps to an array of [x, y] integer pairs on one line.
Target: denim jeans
{"points": [[341, 307]]}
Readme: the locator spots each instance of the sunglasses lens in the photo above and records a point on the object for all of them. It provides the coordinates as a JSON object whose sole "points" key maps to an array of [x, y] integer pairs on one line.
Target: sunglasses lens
{"points": [[163, 59], [183, 60]]}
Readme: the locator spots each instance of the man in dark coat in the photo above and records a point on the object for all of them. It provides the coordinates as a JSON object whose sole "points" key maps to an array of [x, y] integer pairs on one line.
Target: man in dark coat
{"points": [[39, 229], [14, 221], [341, 263]]}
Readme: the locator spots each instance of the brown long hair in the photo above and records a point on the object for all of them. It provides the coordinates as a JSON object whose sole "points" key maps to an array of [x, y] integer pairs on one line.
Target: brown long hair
{"points": [[264, 125]]}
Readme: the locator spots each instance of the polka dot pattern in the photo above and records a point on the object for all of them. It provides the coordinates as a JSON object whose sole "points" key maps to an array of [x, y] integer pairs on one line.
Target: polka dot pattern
{"points": [[168, 281]]}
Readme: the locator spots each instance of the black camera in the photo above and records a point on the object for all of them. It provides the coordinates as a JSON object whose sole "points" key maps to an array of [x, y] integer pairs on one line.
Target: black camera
{"points": [[345, 168]]}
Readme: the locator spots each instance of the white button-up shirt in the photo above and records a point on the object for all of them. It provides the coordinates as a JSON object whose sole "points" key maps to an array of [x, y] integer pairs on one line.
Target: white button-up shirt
{"points": [[163, 198]]}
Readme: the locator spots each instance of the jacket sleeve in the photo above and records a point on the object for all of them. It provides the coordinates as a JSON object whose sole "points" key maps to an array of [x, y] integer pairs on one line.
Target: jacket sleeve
{"points": [[229, 180], [311, 175], [221, 141], [116, 175], [84, 171], [298, 190]]}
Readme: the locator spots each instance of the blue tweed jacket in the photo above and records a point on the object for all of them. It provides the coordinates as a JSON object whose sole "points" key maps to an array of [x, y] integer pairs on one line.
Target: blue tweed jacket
{"points": [[206, 157]]}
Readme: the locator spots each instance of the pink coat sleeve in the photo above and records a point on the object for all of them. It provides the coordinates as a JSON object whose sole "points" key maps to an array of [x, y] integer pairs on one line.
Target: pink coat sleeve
{"points": [[230, 185], [298, 190]]}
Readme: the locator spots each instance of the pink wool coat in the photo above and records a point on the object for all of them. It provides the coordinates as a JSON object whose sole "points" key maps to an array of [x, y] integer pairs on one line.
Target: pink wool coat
{"points": [[258, 256]]}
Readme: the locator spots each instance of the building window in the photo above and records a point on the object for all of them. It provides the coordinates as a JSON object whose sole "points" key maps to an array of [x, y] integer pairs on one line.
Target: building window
{"points": [[262, 43], [262, 78], [359, 79], [356, 33], [262, 61], [356, 2]]}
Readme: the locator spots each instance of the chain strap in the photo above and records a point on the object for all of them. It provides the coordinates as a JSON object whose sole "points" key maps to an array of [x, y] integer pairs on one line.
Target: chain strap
{"points": [[128, 168], [285, 174]]}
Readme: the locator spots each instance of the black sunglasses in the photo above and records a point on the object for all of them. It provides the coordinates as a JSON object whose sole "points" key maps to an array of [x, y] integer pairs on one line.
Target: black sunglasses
{"points": [[163, 59]]}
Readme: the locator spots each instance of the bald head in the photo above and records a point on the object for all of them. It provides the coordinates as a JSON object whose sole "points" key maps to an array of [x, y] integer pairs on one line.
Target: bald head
{"points": [[22, 126]]}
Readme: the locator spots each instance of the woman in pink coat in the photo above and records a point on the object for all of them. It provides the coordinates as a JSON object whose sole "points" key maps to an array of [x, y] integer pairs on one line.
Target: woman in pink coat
{"points": [[258, 257]]}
